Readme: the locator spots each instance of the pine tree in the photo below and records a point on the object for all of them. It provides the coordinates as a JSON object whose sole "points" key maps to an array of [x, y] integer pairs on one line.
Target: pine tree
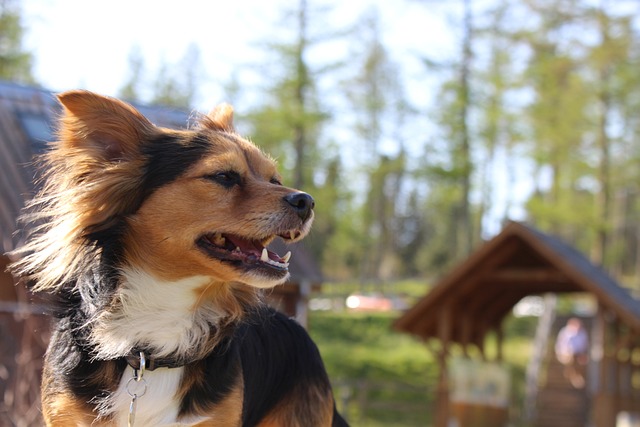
{"points": [[15, 62], [378, 100], [289, 122], [133, 87], [176, 85]]}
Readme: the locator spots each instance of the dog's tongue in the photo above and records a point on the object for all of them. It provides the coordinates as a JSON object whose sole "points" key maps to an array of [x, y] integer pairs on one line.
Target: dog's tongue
{"points": [[253, 248], [245, 245]]}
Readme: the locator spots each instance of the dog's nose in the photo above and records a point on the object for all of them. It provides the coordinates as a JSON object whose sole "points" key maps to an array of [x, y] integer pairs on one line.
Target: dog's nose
{"points": [[302, 203]]}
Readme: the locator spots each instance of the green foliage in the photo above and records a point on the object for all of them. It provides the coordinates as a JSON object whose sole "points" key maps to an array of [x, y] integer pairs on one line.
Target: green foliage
{"points": [[539, 91], [131, 89], [289, 122], [376, 96], [175, 85], [15, 62]]}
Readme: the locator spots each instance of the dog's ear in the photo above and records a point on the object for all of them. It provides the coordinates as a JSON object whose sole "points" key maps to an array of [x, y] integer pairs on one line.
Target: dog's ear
{"points": [[220, 118], [110, 128]]}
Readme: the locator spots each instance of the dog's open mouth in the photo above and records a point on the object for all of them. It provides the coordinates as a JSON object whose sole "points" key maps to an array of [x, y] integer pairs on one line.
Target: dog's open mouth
{"points": [[247, 253]]}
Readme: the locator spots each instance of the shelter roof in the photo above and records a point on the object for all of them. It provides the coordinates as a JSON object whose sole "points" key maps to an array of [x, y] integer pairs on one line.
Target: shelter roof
{"points": [[520, 261]]}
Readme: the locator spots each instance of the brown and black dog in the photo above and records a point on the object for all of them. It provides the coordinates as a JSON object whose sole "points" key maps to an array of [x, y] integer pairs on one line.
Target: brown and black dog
{"points": [[153, 243]]}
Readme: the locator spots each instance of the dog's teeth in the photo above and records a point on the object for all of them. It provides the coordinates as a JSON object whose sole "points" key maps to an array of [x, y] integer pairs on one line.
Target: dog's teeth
{"points": [[237, 249], [218, 239], [292, 234], [278, 264], [286, 257], [265, 255]]}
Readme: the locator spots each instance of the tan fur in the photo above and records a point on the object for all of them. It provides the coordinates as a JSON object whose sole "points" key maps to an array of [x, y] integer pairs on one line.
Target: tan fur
{"points": [[294, 411], [86, 186], [227, 413], [62, 410], [220, 118], [157, 245], [83, 184]]}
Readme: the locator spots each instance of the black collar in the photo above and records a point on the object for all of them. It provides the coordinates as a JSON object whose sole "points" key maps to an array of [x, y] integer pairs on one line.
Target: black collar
{"points": [[152, 363]]}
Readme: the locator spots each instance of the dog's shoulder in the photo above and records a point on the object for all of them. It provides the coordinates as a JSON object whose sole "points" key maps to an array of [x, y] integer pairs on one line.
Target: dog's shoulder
{"points": [[284, 377], [270, 339]]}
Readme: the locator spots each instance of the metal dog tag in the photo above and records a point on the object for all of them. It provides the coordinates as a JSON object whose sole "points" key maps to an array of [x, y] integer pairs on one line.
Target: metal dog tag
{"points": [[132, 411]]}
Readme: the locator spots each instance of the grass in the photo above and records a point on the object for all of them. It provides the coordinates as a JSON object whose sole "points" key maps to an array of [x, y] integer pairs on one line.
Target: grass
{"points": [[364, 346], [373, 368], [382, 377]]}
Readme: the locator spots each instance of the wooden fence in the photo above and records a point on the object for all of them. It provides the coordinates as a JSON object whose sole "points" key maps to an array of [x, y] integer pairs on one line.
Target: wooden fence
{"points": [[24, 332]]}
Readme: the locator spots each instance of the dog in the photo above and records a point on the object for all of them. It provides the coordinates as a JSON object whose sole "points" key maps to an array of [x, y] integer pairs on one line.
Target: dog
{"points": [[152, 244]]}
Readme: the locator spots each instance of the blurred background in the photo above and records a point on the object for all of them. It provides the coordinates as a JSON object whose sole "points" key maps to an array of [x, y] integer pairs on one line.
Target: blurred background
{"points": [[419, 126]]}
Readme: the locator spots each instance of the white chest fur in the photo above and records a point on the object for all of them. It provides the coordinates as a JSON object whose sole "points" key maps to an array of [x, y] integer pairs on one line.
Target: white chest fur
{"points": [[164, 316], [158, 406]]}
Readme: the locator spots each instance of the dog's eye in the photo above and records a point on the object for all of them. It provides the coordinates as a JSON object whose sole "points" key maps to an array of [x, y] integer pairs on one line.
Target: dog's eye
{"points": [[275, 181], [227, 179]]}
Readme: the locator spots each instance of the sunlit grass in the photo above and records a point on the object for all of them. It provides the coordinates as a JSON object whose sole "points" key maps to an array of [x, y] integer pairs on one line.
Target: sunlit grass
{"points": [[361, 350]]}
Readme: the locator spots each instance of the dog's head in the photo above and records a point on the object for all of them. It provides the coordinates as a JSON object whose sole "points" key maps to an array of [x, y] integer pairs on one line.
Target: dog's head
{"points": [[198, 202]]}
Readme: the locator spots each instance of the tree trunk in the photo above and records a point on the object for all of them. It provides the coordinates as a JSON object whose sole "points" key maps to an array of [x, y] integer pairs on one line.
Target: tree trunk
{"points": [[603, 197], [465, 233], [299, 131]]}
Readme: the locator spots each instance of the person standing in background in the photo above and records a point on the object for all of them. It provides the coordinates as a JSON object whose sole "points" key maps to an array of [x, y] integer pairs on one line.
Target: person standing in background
{"points": [[572, 348]]}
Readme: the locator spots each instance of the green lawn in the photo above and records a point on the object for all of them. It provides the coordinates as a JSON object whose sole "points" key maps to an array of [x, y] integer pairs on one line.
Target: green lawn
{"points": [[384, 378]]}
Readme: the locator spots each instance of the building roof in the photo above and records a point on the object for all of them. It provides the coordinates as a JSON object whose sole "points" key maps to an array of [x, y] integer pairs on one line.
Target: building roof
{"points": [[520, 261], [25, 114], [27, 122]]}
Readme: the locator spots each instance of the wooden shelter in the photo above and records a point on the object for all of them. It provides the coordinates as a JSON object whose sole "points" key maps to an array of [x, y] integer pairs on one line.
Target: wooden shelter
{"points": [[474, 299]]}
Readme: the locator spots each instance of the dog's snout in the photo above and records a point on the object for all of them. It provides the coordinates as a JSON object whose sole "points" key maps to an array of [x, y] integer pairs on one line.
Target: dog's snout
{"points": [[302, 203]]}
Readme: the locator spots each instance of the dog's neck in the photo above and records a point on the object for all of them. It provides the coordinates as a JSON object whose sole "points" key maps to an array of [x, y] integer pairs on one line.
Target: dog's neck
{"points": [[166, 319]]}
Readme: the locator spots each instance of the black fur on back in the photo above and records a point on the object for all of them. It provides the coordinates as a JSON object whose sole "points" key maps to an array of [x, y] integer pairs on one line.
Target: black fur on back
{"points": [[277, 359]]}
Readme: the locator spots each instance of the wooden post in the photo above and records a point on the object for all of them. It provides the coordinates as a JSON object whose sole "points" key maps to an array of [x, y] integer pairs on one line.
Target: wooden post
{"points": [[466, 335], [442, 397], [302, 304], [499, 342], [613, 358], [604, 407]]}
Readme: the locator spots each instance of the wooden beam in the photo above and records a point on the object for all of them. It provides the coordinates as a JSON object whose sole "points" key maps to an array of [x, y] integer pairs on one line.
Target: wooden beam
{"points": [[527, 275], [482, 270], [495, 311]]}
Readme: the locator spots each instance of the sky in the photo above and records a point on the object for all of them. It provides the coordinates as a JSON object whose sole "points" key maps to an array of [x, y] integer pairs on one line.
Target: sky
{"points": [[86, 44]]}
